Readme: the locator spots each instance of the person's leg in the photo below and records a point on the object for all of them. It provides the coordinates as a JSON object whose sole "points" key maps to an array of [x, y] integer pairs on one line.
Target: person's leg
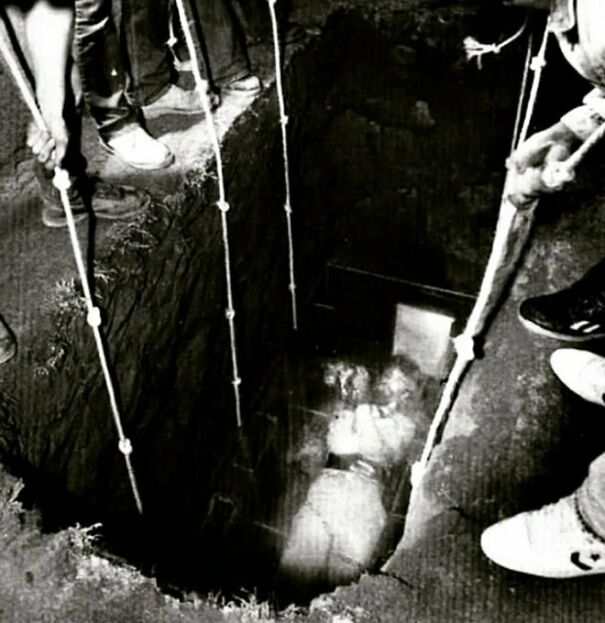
{"points": [[561, 540], [254, 18], [97, 54], [98, 58], [58, 143], [223, 40], [87, 194], [257, 22], [144, 34]]}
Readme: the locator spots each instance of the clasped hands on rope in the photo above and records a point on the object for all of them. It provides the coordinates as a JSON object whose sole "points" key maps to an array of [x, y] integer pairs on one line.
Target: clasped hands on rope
{"points": [[540, 165]]}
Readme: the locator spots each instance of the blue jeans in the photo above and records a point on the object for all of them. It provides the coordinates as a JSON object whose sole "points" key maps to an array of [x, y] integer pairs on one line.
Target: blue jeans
{"points": [[223, 40], [99, 81], [144, 40], [98, 58], [144, 32]]}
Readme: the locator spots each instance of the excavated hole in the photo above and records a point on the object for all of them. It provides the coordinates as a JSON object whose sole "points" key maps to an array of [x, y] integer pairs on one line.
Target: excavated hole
{"points": [[397, 153]]}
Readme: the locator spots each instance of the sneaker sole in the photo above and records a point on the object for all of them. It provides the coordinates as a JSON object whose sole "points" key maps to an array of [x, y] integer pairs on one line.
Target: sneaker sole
{"points": [[235, 91], [564, 337], [61, 222], [156, 112], [138, 165]]}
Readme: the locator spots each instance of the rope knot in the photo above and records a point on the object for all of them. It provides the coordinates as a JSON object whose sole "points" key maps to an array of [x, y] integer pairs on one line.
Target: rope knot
{"points": [[465, 346], [223, 206], [230, 314], [93, 318], [476, 49], [61, 179], [556, 174], [284, 120], [417, 474], [288, 208], [125, 446], [292, 287], [537, 63], [237, 381]]}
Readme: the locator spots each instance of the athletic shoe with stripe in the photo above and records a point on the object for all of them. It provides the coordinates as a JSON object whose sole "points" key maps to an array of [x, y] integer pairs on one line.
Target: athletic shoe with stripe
{"points": [[575, 314], [582, 372], [552, 542]]}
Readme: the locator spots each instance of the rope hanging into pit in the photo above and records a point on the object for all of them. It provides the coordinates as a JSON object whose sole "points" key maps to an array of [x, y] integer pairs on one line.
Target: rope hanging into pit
{"points": [[537, 66], [465, 343], [283, 117], [201, 87], [522, 93], [62, 183], [93, 318]]}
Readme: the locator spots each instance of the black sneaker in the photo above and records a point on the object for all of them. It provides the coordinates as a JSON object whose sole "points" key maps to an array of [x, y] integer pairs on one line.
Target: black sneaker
{"points": [[575, 314], [106, 201]]}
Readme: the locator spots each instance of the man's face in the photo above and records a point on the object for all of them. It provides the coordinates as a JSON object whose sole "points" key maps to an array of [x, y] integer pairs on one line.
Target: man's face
{"points": [[529, 4]]}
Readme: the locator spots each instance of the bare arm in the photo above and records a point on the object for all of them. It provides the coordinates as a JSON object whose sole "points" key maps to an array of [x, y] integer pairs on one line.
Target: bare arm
{"points": [[554, 144], [47, 27]]}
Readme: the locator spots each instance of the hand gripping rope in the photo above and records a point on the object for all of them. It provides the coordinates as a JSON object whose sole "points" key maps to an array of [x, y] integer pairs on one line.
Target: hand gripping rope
{"points": [[284, 133], [201, 86], [62, 183], [505, 250], [464, 344]]}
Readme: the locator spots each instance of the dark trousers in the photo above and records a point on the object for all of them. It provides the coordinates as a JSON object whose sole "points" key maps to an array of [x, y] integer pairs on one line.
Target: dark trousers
{"points": [[99, 82], [223, 40], [98, 58], [144, 36], [145, 33], [256, 18]]}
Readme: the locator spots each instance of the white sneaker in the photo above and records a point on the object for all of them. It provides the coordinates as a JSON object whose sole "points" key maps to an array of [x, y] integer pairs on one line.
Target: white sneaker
{"points": [[583, 372], [552, 542], [138, 149], [8, 346], [248, 85]]}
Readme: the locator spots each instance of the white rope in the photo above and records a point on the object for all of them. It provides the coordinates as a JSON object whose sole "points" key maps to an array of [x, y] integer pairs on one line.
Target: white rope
{"points": [[223, 206], [465, 343], [93, 317], [62, 183], [284, 123], [522, 93], [476, 50], [537, 66]]}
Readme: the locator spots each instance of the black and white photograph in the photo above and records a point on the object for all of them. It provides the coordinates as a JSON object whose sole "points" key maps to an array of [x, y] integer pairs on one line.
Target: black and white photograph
{"points": [[302, 311]]}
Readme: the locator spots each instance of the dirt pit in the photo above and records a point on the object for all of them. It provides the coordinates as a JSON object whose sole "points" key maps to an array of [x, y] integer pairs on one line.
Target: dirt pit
{"points": [[397, 151]]}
